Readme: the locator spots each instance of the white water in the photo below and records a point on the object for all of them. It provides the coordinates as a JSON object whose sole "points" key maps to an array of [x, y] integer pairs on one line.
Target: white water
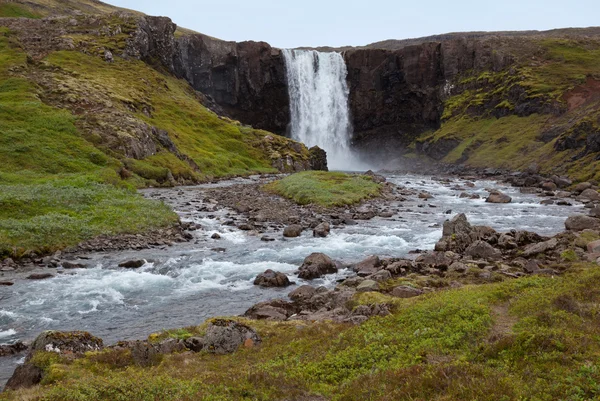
{"points": [[319, 104]]}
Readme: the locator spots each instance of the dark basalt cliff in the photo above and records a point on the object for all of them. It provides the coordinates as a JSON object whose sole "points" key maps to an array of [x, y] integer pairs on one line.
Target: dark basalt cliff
{"points": [[414, 92]]}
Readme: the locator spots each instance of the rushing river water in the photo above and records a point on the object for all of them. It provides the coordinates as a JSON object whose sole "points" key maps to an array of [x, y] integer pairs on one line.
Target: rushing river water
{"points": [[184, 284]]}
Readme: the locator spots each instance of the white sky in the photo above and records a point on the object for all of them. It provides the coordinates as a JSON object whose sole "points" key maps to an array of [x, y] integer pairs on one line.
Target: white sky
{"points": [[336, 23]]}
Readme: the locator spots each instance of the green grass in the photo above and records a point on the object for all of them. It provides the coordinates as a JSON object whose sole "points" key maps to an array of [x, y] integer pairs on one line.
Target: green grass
{"points": [[12, 10], [325, 188], [56, 188], [535, 338]]}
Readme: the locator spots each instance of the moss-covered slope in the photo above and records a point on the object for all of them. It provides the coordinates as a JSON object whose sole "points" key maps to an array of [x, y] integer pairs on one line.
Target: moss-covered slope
{"points": [[541, 105], [83, 125]]}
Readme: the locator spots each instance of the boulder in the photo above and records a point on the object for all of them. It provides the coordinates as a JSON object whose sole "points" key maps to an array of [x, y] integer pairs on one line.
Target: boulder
{"points": [[405, 291], [436, 260], [39, 276], [226, 336], [561, 182], [589, 194], [581, 222], [317, 158], [72, 344], [582, 186], [292, 231], [498, 197], [272, 278], [276, 309], [549, 186], [595, 211], [302, 294], [12, 349], [322, 230], [540, 247], [73, 265], [381, 275], [367, 286], [132, 264], [506, 241], [457, 234], [316, 265], [483, 250], [368, 266]]}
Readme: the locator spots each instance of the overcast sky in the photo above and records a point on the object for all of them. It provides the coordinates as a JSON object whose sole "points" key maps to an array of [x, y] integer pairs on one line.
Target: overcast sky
{"points": [[285, 23]]}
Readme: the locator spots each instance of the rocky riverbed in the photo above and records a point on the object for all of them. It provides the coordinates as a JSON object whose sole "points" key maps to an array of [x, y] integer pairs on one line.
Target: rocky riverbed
{"points": [[234, 231]]}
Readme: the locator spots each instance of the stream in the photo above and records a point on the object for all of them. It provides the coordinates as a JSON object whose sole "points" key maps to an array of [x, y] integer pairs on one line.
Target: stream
{"points": [[186, 283]]}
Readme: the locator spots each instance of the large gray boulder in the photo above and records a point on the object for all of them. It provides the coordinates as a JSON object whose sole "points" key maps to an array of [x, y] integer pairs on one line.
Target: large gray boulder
{"points": [[498, 197], [368, 266], [581, 222], [292, 231], [316, 265]]}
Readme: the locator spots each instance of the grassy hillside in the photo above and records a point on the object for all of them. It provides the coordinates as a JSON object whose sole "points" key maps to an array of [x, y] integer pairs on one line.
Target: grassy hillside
{"points": [[80, 133], [544, 108], [533, 338]]}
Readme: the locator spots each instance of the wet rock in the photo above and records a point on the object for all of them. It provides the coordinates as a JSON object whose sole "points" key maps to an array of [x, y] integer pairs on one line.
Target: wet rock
{"points": [[317, 159], [425, 195], [595, 211], [292, 231], [12, 349], [316, 265], [245, 227], [6, 283], [368, 266], [272, 278], [405, 291], [215, 236], [266, 238], [561, 182], [72, 265], [277, 309], [580, 223], [302, 294], [457, 234], [322, 230], [39, 276], [368, 285], [132, 264], [498, 197], [483, 250], [386, 214], [540, 247], [589, 194]]}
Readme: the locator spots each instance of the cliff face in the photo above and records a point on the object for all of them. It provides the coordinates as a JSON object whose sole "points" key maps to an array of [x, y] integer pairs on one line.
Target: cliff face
{"points": [[458, 99]]}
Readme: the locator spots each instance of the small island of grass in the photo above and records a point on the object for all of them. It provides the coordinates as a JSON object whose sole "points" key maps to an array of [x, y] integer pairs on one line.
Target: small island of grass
{"points": [[325, 188]]}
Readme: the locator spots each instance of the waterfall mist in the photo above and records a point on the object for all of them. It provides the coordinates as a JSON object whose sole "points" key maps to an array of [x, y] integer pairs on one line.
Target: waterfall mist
{"points": [[319, 105]]}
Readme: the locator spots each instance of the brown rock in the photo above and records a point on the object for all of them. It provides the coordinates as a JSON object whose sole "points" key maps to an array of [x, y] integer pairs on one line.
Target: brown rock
{"points": [[132, 264], [483, 250], [316, 265], [272, 278], [292, 231], [498, 197], [39, 276], [322, 230], [368, 266], [405, 291], [589, 194]]}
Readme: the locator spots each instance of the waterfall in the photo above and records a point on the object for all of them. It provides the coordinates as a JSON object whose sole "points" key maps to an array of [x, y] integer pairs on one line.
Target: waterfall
{"points": [[319, 104]]}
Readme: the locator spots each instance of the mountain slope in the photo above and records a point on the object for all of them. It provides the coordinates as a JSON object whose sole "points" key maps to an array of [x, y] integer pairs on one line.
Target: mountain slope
{"points": [[83, 119]]}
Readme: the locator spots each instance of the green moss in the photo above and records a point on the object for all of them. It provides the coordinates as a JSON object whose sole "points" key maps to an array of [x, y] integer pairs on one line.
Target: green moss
{"points": [[569, 256], [12, 10], [325, 188]]}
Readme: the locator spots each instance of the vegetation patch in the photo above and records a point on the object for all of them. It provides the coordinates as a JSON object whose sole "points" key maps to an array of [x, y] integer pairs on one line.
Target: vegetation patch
{"points": [[325, 188], [529, 338]]}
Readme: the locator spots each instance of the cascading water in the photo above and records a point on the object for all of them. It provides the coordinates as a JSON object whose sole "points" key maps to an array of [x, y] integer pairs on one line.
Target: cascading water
{"points": [[319, 104]]}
